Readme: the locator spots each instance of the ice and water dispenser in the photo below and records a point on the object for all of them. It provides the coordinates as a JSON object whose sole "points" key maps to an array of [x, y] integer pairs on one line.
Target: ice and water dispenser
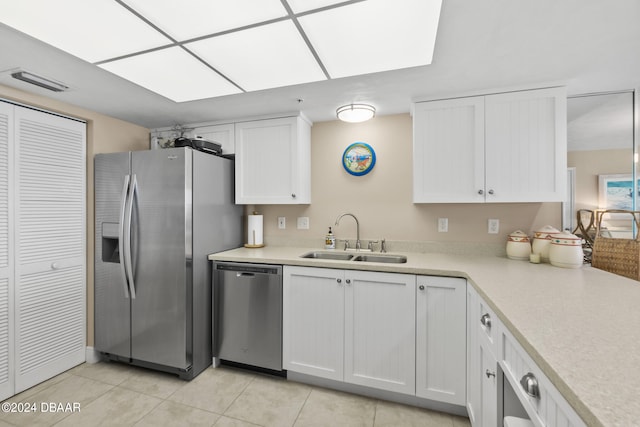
{"points": [[110, 242]]}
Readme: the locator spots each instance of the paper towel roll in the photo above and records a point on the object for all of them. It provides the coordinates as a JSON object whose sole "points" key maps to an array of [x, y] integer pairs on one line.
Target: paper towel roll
{"points": [[254, 230]]}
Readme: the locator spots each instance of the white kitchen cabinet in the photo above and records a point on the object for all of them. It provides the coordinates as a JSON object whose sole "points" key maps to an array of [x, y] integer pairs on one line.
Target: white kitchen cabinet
{"points": [[482, 375], [448, 151], [474, 359], [223, 134], [526, 146], [488, 388], [441, 339], [352, 326], [491, 346], [548, 407], [506, 147], [43, 307], [273, 161], [313, 321], [380, 330]]}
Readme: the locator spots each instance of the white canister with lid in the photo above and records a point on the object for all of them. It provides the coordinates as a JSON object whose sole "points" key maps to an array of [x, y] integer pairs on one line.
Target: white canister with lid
{"points": [[566, 250], [542, 242], [518, 246]]}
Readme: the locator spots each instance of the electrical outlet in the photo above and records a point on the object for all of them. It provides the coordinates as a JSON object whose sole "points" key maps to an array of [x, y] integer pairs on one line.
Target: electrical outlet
{"points": [[443, 225], [303, 223], [494, 226], [282, 223]]}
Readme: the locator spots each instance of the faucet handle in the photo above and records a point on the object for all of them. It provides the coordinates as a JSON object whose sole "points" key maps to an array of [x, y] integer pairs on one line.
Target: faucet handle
{"points": [[383, 245], [370, 245], [346, 244]]}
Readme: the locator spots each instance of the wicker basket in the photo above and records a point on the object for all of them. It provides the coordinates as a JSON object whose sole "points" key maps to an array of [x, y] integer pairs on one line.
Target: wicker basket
{"points": [[619, 256]]}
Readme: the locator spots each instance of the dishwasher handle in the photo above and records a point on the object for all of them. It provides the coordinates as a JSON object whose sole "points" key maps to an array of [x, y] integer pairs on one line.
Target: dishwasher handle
{"points": [[249, 270]]}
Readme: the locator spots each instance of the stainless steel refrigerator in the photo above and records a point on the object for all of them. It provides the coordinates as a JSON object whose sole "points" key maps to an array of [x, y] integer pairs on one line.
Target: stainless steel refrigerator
{"points": [[159, 213]]}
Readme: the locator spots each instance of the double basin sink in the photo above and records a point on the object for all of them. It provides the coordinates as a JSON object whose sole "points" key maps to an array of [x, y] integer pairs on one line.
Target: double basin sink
{"points": [[359, 257]]}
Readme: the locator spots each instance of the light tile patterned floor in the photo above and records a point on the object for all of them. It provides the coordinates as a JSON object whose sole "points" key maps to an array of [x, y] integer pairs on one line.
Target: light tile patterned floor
{"points": [[112, 394]]}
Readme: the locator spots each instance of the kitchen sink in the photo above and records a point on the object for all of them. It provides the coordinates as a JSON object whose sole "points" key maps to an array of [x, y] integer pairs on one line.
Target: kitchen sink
{"points": [[393, 259], [340, 256], [346, 256]]}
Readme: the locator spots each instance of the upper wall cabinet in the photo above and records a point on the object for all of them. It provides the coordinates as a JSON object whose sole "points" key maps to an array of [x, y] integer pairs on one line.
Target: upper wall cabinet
{"points": [[223, 134], [273, 161], [507, 147], [448, 151]]}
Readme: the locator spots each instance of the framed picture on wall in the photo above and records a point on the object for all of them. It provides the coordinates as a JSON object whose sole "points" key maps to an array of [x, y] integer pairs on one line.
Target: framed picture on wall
{"points": [[615, 191]]}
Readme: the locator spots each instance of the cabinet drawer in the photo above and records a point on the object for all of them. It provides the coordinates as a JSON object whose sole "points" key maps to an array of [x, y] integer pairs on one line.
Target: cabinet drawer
{"points": [[545, 405], [488, 325]]}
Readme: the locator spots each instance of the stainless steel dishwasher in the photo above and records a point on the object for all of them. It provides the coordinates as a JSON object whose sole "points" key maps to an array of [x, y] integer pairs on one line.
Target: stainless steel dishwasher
{"points": [[247, 314]]}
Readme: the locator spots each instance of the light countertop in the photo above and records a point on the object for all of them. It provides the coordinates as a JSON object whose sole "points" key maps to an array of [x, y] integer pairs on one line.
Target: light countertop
{"points": [[580, 326]]}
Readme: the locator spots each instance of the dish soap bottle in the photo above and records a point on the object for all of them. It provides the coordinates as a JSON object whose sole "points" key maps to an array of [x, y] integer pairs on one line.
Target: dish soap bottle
{"points": [[330, 240]]}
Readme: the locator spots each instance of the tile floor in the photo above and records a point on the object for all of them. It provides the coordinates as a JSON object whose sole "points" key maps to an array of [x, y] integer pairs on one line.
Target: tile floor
{"points": [[112, 394]]}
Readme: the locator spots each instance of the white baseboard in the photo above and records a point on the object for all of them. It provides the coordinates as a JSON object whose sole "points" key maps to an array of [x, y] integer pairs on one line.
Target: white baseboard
{"points": [[92, 355]]}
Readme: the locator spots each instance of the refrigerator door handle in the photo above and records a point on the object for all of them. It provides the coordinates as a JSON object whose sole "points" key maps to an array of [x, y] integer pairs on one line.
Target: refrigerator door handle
{"points": [[121, 245], [127, 237]]}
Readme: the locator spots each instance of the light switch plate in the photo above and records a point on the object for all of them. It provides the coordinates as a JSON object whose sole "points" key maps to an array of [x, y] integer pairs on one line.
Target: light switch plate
{"points": [[282, 223], [443, 225]]}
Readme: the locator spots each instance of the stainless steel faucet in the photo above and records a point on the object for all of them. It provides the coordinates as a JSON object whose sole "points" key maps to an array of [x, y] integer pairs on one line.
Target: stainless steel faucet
{"points": [[357, 228]]}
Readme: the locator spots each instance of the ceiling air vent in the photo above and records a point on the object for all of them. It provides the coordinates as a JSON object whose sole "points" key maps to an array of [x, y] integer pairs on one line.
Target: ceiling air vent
{"points": [[44, 82]]}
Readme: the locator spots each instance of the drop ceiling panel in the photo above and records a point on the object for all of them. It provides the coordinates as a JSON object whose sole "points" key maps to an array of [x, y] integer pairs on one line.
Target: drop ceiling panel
{"points": [[92, 30], [189, 19], [299, 6], [373, 36], [172, 73], [263, 57]]}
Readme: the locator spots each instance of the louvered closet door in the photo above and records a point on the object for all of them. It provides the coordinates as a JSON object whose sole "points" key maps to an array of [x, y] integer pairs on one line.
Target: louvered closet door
{"points": [[6, 261], [50, 306]]}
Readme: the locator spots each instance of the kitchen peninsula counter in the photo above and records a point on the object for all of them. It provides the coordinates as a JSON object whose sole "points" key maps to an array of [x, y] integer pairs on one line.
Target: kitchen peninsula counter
{"points": [[580, 326]]}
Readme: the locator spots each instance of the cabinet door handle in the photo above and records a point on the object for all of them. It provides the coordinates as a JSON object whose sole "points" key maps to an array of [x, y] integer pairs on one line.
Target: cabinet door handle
{"points": [[490, 374], [348, 281], [481, 192], [293, 195], [486, 320], [530, 386], [421, 287], [490, 191], [55, 265], [339, 280]]}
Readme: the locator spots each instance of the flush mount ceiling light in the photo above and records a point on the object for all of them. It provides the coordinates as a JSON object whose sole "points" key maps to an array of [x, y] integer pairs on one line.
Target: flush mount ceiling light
{"points": [[44, 82], [246, 45], [356, 113]]}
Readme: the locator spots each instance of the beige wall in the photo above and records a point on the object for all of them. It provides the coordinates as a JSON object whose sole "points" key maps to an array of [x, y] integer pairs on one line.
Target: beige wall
{"points": [[104, 135], [590, 164], [382, 199]]}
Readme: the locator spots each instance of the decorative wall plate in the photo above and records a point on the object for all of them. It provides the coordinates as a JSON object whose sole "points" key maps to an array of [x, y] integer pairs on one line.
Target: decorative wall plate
{"points": [[359, 158]]}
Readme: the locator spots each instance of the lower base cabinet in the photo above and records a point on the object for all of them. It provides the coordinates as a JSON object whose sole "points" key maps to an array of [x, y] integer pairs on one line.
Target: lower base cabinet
{"points": [[351, 326], [542, 402], [482, 365], [441, 339], [313, 322], [495, 356], [395, 332], [488, 389]]}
